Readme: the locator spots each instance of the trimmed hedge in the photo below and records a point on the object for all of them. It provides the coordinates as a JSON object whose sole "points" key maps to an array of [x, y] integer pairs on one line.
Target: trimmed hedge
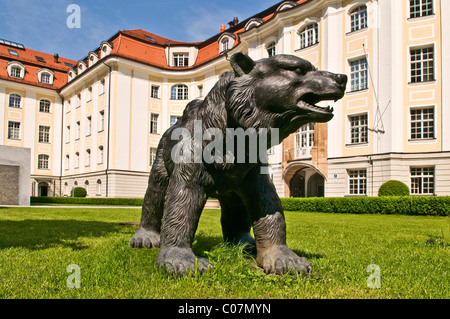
{"points": [[393, 188], [88, 201], [401, 205]]}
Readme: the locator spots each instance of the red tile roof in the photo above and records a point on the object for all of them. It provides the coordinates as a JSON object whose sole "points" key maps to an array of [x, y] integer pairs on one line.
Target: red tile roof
{"points": [[138, 45], [28, 58]]}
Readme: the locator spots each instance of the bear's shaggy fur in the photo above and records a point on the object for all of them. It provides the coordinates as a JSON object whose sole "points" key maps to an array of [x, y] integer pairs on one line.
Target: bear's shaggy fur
{"points": [[277, 92]]}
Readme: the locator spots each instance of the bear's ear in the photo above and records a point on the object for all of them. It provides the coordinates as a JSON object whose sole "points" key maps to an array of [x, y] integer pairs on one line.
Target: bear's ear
{"points": [[242, 63]]}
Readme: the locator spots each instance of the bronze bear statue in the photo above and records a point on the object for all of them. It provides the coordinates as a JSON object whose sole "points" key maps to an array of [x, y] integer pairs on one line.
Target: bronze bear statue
{"points": [[279, 92]]}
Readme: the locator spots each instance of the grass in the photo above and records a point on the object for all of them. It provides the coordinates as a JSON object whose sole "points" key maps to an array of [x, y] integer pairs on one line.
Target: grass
{"points": [[38, 244]]}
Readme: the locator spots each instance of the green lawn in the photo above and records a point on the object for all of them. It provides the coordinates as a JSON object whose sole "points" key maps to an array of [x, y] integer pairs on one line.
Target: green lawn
{"points": [[38, 244]]}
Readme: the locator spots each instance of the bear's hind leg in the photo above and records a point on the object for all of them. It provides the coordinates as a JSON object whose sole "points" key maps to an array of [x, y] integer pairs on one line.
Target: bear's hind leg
{"points": [[236, 222]]}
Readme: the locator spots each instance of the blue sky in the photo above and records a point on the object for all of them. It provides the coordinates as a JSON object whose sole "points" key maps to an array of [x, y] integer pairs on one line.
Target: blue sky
{"points": [[41, 25]]}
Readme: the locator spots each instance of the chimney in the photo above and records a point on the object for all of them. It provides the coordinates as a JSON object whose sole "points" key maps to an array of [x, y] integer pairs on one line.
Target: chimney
{"points": [[56, 56], [223, 27], [234, 22]]}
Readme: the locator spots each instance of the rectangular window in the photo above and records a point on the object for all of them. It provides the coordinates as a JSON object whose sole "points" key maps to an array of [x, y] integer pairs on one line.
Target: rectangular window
{"points": [[43, 161], [102, 86], [15, 72], [180, 59], [359, 129], [78, 100], [13, 130], [357, 182], [77, 160], [44, 106], [68, 106], [155, 92], [88, 125], [358, 18], [77, 130], [101, 121], [152, 155], [89, 93], [420, 8], [45, 78], [173, 120], [422, 123], [422, 180], [100, 155], [68, 134], [154, 123], [44, 134], [359, 74], [199, 90], [422, 65], [14, 100], [87, 158], [67, 164]]}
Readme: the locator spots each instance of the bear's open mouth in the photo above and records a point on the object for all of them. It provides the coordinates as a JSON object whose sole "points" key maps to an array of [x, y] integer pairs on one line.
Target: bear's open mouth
{"points": [[309, 100]]}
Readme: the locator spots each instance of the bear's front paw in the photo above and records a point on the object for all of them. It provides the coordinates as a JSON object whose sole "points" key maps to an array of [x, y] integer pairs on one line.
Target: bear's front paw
{"points": [[281, 260], [181, 261], [145, 238]]}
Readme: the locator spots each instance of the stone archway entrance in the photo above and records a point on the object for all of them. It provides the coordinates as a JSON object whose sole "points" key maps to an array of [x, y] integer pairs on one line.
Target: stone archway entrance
{"points": [[316, 186], [304, 180]]}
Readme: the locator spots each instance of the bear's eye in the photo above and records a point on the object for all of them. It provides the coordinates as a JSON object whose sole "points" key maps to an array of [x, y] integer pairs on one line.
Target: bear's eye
{"points": [[300, 71]]}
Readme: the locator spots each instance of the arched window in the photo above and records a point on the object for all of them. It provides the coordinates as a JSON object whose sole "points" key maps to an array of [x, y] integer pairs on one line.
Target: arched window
{"points": [[100, 155], [99, 187], [14, 100], [87, 158], [271, 49], [225, 45], [309, 35], [179, 92], [44, 106], [358, 18]]}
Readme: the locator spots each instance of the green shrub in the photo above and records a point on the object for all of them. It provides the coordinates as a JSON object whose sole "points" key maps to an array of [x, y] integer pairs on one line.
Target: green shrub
{"points": [[88, 201], [79, 192], [400, 205], [393, 188]]}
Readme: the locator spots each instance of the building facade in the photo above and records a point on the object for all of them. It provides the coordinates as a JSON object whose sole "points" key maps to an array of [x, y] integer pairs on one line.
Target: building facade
{"points": [[106, 113]]}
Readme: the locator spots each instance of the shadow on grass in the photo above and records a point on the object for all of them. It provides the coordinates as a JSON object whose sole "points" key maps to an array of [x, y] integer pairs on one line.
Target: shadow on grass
{"points": [[42, 234]]}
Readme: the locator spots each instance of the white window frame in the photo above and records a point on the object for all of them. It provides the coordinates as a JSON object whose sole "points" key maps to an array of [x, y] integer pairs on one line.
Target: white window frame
{"points": [[100, 155], [180, 60], [421, 78], [358, 134], [422, 124], [154, 123], [308, 35], [154, 91], [77, 130], [44, 134], [14, 130], [88, 125], [423, 180], [87, 158], [420, 13], [16, 100], [174, 119], [359, 74], [179, 92], [45, 106], [19, 70], [357, 182], [304, 141], [43, 162], [67, 162], [68, 134], [355, 18], [152, 156], [77, 160], [101, 121]]}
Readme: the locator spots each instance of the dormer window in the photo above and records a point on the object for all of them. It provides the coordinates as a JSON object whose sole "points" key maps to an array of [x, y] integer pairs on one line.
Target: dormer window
{"points": [[253, 23], [286, 5], [93, 58], [16, 69], [180, 60], [45, 76], [81, 67], [106, 49], [226, 41], [71, 73]]}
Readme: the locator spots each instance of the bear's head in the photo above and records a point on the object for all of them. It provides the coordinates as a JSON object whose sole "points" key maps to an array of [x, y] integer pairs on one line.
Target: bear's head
{"points": [[281, 92]]}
